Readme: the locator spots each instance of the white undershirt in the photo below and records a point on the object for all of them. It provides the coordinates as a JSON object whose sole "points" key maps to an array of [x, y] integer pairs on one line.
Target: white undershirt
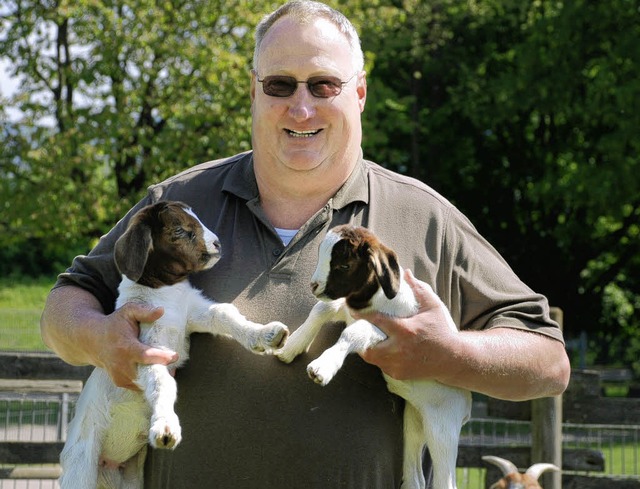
{"points": [[286, 235]]}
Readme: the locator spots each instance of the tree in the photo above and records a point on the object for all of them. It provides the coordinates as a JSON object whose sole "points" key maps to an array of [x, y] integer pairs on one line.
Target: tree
{"points": [[525, 114], [115, 95]]}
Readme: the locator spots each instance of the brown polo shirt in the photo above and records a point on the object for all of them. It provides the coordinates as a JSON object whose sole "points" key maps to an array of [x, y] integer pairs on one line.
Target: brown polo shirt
{"points": [[252, 422]]}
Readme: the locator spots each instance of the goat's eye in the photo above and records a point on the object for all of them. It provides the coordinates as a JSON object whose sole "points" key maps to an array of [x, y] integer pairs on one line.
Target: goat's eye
{"points": [[182, 233], [344, 268]]}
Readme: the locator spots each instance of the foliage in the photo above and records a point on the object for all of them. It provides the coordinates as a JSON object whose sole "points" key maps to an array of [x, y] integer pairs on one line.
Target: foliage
{"points": [[115, 95], [524, 114]]}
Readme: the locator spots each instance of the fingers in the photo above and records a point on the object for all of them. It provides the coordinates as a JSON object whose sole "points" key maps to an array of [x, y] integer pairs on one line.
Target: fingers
{"points": [[149, 356], [422, 291], [141, 313], [123, 351], [410, 340]]}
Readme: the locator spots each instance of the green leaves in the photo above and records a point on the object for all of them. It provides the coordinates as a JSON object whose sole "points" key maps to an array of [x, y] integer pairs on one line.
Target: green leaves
{"points": [[524, 113]]}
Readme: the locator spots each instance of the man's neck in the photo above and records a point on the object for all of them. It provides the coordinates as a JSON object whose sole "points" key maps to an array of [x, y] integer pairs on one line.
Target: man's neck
{"points": [[291, 212]]}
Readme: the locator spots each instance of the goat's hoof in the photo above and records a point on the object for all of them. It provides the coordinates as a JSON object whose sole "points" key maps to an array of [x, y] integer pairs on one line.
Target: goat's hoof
{"points": [[163, 435], [286, 356], [274, 337], [316, 374], [278, 335]]}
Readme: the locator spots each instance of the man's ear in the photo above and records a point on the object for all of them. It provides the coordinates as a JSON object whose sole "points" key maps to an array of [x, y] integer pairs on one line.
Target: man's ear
{"points": [[361, 90], [132, 250], [252, 90], [387, 270]]}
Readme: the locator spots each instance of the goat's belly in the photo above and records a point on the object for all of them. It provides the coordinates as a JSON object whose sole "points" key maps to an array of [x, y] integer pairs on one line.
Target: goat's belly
{"points": [[128, 431]]}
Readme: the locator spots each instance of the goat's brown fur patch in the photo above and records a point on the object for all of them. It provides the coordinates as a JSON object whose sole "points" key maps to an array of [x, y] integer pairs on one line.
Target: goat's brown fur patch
{"points": [[162, 245]]}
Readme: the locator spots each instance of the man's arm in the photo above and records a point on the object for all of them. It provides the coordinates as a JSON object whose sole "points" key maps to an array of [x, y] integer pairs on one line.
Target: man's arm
{"points": [[504, 363], [74, 325]]}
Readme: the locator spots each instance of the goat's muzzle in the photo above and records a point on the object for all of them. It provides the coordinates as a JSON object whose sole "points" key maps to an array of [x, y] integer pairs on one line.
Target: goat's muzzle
{"points": [[212, 255]]}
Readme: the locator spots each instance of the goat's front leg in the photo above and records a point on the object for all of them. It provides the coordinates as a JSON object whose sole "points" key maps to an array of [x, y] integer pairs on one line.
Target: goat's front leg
{"points": [[160, 390], [301, 339], [356, 337], [225, 319]]}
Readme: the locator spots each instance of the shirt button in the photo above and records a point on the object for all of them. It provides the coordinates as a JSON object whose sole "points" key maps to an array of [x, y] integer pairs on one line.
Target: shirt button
{"points": [[277, 252]]}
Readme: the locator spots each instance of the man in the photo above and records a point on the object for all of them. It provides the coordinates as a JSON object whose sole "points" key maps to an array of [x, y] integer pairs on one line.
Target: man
{"points": [[252, 421]]}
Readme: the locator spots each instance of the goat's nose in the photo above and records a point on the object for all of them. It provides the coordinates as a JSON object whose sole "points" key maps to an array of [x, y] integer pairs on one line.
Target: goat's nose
{"points": [[314, 287], [217, 246]]}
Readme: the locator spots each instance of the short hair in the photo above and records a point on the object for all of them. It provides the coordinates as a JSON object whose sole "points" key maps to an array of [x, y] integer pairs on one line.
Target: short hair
{"points": [[305, 11]]}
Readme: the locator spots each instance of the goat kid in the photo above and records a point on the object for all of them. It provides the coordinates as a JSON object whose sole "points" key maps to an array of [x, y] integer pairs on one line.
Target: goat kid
{"points": [[356, 271], [512, 479], [107, 439]]}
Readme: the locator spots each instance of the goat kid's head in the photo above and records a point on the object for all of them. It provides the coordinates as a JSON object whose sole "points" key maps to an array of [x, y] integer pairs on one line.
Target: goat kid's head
{"points": [[354, 264], [512, 479], [164, 243]]}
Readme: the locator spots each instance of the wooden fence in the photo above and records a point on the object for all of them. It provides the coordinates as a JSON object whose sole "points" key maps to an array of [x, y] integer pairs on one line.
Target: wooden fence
{"points": [[42, 373]]}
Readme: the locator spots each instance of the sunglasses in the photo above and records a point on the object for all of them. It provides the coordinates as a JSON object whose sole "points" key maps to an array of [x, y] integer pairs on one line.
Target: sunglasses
{"points": [[325, 86]]}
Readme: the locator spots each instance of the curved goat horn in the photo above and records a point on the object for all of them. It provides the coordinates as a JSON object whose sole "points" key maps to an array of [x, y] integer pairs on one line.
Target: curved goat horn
{"points": [[504, 465], [536, 470]]}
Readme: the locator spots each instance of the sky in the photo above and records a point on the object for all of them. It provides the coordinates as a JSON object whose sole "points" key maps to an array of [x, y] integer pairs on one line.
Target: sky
{"points": [[8, 85]]}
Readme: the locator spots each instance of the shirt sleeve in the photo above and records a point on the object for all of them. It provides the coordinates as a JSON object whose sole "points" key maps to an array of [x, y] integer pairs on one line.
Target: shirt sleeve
{"points": [[483, 289]]}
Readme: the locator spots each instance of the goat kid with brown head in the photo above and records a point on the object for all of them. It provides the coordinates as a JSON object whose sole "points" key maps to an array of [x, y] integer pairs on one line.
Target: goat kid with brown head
{"points": [[107, 439], [356, 271]]}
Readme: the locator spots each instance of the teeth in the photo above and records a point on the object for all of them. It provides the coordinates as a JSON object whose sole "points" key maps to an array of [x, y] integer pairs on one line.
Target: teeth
{"points": [[302, 134]]}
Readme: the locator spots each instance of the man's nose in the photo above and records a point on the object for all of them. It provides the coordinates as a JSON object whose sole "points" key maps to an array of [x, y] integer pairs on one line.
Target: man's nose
{"points": [[303, 104]]}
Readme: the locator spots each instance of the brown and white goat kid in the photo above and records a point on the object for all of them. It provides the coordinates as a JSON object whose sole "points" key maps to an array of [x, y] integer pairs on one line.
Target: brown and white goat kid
{"points": [[107, 439], [512, 479], [356, 271]]}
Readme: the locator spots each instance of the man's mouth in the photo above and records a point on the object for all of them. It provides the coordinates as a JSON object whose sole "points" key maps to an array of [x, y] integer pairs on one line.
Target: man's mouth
{"points": [[302, 134]]}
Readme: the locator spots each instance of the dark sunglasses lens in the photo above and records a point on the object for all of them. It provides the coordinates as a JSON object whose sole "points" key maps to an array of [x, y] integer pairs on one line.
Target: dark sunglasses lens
{"points": [[324, 86], [279, 86]]}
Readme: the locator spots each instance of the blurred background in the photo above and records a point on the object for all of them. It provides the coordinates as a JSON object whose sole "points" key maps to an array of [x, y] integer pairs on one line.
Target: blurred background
{"points": [[525, 114]]}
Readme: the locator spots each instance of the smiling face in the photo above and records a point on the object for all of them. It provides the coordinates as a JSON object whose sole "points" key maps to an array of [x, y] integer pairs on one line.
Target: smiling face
{"points": [[304, 134]]}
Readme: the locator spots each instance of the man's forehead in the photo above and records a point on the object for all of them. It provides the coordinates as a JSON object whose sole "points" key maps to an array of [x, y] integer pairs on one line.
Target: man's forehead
{"points": [[289, 40]]}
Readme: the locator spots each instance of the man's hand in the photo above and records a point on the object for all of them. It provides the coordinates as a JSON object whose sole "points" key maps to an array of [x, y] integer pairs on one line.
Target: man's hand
{"points": [[120, 351], [415, 345]]}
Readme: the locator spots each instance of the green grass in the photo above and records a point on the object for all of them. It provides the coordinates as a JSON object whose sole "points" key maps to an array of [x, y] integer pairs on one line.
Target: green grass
{"points": [[21, 303], [470, 478]]}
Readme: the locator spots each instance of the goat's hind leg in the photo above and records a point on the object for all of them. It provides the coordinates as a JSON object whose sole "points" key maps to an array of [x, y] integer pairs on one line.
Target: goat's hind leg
{"points": [[79, 461], [357, 337], [444, 410], [414, 443]]}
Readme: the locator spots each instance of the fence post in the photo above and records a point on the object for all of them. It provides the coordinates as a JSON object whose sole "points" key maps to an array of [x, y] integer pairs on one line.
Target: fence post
{"points": [[546, 429], [64, 417]]}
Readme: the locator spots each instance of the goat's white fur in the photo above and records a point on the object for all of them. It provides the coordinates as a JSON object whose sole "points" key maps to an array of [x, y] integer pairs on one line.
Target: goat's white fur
{"points": [[434, 412], [107, 439]]}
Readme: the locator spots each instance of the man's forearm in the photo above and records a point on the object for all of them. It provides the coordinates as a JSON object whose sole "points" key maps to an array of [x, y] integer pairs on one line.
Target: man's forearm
{"points": [[508, 364], [67, 322]]}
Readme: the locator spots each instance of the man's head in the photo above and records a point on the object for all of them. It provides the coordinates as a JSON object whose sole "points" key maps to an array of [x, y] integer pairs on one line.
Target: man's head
{"points": [[297, 126]]}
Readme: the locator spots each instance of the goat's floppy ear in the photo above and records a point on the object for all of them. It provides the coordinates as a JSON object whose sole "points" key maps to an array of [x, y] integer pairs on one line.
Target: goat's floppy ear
{"points": [[385, 265], [132, 250]]}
